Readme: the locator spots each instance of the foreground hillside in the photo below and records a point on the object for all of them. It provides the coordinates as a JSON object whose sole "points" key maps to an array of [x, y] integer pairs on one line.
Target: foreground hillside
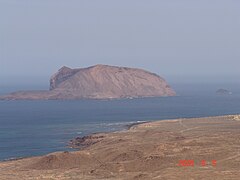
{"points": [[200, 148], [99, 82]]}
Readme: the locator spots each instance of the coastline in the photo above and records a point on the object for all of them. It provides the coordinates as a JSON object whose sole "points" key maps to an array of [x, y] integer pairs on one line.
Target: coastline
{"points": [[128, 127], [81, 142], [76, 148], [146, 150]]}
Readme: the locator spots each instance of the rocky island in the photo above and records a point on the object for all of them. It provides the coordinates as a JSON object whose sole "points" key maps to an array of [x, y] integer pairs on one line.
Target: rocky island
{"points": [[99, 82], [223, 92]]}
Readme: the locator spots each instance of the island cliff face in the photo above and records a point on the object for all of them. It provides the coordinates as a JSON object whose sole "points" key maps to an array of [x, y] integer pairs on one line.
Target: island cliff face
{"points": [[100, 82]]}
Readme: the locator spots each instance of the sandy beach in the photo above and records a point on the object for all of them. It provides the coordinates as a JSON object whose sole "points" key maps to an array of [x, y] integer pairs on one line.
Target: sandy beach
{"points": [[197, 148]]}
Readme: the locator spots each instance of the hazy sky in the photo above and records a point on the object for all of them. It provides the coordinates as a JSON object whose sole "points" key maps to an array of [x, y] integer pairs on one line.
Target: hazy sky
{"points": [[182, 40]]}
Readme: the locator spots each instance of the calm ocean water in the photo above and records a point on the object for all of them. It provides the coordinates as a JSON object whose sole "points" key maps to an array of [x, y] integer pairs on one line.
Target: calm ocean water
{"points": [[29, 128]]}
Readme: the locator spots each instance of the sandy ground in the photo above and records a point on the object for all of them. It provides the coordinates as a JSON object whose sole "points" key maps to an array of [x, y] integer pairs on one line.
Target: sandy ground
{"points": [[156, 150]]}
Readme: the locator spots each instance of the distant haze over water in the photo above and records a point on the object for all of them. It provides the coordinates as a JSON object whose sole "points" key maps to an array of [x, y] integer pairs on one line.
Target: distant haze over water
{"points": [[183, 41]]}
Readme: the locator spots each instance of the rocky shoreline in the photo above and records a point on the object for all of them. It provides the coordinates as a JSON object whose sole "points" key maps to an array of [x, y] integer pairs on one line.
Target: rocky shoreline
{"points": [[82, 142], [85, 141]]}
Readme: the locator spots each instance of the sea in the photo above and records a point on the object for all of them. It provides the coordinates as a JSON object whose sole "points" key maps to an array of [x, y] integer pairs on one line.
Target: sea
{"points": [[31, 128]]}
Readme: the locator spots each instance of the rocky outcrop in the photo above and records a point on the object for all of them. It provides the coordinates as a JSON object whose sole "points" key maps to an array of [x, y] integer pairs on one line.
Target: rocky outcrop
{"points": [[85, 141], [100, 82], [63, 74], [223, 92]]}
